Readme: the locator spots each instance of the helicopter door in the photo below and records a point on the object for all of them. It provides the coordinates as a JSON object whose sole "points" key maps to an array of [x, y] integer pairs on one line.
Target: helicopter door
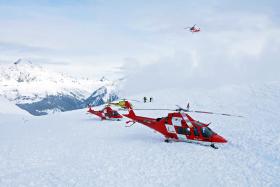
{"points": [[177, 121], [106, 112], [196, 133]]}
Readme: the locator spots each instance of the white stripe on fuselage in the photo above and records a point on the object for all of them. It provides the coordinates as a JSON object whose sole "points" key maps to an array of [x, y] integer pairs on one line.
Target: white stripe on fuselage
{"points": [[184, 116], [177, 121], [170, 128], [182, 137]]}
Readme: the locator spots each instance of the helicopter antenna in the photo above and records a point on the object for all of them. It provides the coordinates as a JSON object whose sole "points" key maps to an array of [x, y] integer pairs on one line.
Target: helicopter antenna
{"points": [[165, 109], [188, 106]]}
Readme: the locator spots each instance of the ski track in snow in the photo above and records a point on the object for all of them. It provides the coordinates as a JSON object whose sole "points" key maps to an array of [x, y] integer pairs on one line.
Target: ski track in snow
{"points": [[76, 149]]}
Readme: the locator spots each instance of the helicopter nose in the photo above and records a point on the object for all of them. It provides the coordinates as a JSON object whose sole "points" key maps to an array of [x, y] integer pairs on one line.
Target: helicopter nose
{"points": [[219, 139]]}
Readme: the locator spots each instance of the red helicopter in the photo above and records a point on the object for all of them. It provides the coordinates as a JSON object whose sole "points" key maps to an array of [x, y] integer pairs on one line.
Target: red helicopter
{"points": [[193, 29], [179, 126], [107, 113]]}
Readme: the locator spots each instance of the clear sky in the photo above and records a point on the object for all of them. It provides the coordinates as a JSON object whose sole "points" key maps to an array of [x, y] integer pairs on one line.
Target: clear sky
{"points": [[239, 39]]}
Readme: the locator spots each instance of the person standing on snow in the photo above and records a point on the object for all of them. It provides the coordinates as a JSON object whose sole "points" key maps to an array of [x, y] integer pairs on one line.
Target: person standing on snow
{"points": [[145, 99]]}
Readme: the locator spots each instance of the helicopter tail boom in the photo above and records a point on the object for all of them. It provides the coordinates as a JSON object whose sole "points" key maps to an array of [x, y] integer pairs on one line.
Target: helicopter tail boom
{"points": [[130, 109]]}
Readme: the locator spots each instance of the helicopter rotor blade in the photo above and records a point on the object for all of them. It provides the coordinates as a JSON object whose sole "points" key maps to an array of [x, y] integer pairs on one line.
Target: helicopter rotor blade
{"points": [[165, 109], [206, 112], [191, 111], [179, 109], [135, 100], [124, 99], [223, 114]]}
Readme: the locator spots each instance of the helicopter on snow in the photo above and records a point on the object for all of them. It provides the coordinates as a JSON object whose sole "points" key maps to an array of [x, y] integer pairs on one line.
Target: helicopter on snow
{"points": [[122, 103], [179, 126], [193, 29], [107, 113]]}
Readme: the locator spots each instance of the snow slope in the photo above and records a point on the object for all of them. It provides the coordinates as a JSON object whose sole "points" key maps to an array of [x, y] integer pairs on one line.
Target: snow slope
{"points": [[9, 108], [76, 149]]}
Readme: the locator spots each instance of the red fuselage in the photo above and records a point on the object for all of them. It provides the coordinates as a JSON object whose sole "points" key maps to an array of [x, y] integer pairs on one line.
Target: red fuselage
{"points": [[180, 127], [106, 113]]}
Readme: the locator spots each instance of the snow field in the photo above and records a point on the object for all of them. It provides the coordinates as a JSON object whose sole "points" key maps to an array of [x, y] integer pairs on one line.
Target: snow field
{"points": [[76, 149]]}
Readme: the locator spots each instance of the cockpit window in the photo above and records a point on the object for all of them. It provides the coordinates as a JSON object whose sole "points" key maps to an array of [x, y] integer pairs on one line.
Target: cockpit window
{"points": [[183, 130], [188, 131], [206, 132], [115, 113], [195, 131]]}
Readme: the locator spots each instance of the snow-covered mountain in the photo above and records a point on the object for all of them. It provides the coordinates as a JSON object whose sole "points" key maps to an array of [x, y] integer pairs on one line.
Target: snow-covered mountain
{"points": [[41, 91]]}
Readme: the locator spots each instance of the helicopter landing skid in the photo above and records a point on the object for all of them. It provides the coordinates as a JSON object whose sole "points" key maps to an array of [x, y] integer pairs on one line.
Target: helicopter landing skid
{"points": [[167, 140], [213, 146]]}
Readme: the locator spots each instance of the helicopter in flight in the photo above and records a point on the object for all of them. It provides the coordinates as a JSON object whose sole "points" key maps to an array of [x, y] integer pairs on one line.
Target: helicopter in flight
{"points": [[107, 113], [193, 29], [179, 126]]}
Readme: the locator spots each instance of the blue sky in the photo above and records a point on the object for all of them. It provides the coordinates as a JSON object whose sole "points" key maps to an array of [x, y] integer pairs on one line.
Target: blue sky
{"points": [[95, 37]]}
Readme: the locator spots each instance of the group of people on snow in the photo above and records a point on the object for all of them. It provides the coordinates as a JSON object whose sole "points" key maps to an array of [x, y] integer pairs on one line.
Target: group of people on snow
{"points": [[145, 99]]}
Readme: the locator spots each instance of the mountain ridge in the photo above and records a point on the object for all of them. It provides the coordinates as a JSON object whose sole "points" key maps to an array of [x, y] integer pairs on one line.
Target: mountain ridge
{"points": [[37, 90]]}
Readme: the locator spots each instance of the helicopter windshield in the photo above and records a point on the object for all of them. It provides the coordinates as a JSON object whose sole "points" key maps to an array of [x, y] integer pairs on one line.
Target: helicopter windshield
{"points": [[206, 132], [115, 113]]}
